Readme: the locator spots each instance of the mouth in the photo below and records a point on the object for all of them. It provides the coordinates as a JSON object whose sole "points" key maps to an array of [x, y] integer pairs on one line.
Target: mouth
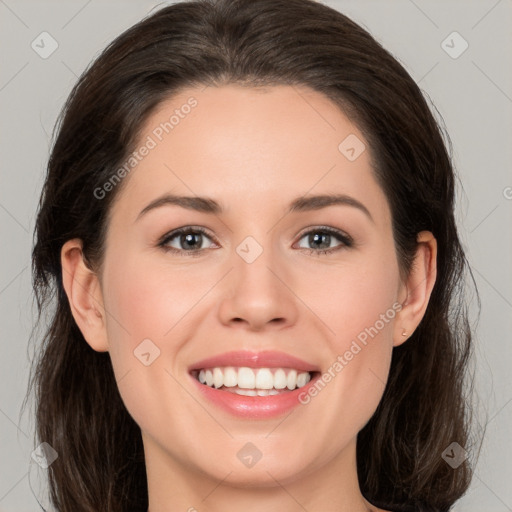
{"points": [[253, 385], [246, 381]]}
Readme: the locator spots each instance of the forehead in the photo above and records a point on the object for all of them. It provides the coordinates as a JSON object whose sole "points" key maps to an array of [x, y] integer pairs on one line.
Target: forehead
{"points": [[251, 147]]}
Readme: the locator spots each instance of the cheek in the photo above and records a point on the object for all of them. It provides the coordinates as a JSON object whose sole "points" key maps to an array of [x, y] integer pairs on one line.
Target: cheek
{"points": [[148, 300], [360, 309], [370, 310], [145, 302], [358, 301]]}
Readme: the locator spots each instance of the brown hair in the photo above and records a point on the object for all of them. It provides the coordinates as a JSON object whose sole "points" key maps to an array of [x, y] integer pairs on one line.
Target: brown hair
{"points": [[425, 406]]}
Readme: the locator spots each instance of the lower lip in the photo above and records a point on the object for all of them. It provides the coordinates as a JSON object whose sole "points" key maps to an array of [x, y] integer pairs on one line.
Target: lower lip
{"points": [[255, 407]]}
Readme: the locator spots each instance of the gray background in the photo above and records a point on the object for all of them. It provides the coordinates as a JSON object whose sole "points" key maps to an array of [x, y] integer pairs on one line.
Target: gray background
{"points": [[472, 92]]}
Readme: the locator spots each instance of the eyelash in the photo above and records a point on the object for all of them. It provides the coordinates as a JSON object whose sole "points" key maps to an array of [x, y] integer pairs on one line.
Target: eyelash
{"points": [[346, 241]]}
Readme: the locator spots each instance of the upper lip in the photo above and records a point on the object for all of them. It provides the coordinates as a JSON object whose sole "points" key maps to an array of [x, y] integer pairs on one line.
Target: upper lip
{"points": [[251, 359]]}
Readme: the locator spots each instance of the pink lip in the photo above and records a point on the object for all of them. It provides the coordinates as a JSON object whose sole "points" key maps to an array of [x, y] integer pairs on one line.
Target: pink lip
{"points": [[264, 359], [254, 407]]}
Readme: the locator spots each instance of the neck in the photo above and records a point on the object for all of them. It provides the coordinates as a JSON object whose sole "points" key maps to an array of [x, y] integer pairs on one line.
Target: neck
{"points": [[173, 485]]}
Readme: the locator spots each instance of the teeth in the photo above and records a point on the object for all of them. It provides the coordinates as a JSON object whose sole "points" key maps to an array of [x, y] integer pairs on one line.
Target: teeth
{"points": [[302, 379], [264, 379], [253, 382], [280, 379], [218, 378], [291, 380], [246, 378], [230, 377], [247, 392]]}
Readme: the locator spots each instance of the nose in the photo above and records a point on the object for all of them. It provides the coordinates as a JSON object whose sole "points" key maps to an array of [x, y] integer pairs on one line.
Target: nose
{"points": [[258, 295]]}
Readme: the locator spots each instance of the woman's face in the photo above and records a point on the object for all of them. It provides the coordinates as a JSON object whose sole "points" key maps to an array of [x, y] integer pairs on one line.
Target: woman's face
{"points": [[254, 291]]}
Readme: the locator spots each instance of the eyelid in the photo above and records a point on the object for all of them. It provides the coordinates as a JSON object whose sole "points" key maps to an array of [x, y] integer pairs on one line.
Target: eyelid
{"points": [[344, 238], [184, 229], [328, 229]]}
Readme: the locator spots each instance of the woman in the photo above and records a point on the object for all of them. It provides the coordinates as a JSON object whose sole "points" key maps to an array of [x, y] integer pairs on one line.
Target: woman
{"points": [[204, 353]]}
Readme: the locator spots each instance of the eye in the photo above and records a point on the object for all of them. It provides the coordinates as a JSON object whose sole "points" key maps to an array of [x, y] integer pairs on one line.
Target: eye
{"points": [[322, 237], [189, 240]]}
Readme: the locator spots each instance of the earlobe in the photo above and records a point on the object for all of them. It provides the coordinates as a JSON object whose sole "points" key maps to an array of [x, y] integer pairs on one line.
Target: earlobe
{"points": [[418, 287], [83, 290]]}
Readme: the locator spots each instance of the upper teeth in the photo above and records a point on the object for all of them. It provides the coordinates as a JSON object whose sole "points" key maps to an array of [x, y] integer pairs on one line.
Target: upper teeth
{"points": [[249, 378]]}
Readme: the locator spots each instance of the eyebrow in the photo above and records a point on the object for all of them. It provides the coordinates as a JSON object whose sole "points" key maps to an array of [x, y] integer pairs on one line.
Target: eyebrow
{"points": [[301, 204]]}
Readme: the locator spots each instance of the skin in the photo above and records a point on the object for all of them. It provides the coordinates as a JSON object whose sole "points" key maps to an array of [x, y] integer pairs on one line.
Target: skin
{"points": [[253, 151]]}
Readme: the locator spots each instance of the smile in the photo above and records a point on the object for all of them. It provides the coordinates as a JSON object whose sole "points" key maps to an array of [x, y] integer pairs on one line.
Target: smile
{"points": [[253, 385], [247, 381]]}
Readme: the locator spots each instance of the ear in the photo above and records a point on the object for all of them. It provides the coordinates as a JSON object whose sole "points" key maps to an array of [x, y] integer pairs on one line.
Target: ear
{"points": [[82, 287], [415, 292]]}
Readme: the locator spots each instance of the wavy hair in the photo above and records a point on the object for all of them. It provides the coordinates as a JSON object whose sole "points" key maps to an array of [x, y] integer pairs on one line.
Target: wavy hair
{"points": [[426, 404]]}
